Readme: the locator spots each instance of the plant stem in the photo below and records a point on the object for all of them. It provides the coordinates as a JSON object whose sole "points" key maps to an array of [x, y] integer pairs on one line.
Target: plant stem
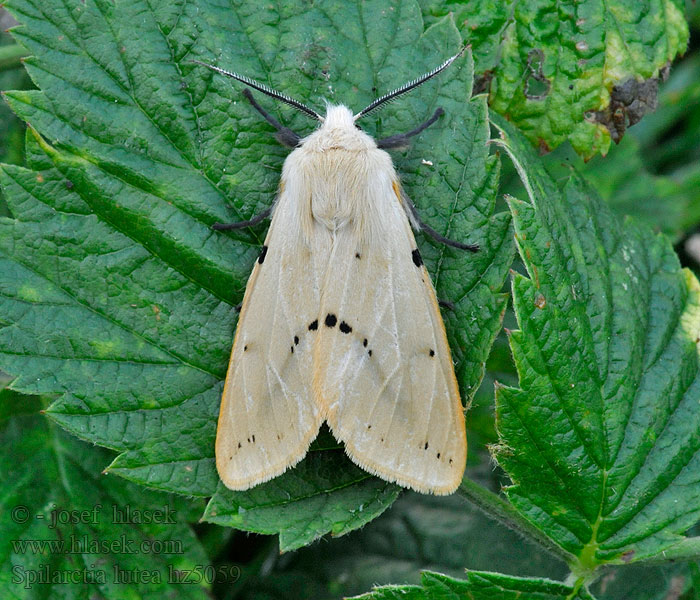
{"points": [[502, 511], [11, 57]]}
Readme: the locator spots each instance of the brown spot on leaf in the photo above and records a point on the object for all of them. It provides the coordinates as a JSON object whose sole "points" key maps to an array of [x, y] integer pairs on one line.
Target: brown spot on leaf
{"points": [[630, 100], [540, 301]]}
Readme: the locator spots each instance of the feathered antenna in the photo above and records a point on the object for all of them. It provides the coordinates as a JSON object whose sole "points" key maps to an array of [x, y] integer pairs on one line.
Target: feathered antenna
{"points": [[256, 85], [407, 87]]}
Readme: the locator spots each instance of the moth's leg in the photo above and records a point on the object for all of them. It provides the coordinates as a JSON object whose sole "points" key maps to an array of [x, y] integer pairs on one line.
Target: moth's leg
{"points": [[241, 224], [401, 140], [415, 218], [284, 135]]}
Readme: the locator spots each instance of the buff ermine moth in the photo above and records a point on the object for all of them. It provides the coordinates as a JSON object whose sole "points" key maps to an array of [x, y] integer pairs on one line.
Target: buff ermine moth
{"points": [[340, 321]]}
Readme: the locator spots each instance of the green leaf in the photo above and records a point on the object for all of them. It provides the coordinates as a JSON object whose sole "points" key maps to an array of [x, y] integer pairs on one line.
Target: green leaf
{"points": [[325, 493], [479, 585], [419, 532], [12, 129], [116, 293], [645, 582], [601, 440], [666, 204], [61, 531], [559, 70]]}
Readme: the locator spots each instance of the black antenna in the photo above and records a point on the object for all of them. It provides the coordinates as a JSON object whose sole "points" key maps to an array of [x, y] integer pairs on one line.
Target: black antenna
{"points": [[407, 87], [265, 90]]}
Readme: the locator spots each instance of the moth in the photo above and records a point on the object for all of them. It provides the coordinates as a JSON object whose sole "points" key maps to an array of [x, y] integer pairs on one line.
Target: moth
{"points": [[340, 322]]}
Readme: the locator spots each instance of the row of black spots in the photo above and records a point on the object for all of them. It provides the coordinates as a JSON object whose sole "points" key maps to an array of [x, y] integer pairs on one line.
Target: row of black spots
{"points": [[251, 440], [331, 321], [313, 326], [438, 455]]}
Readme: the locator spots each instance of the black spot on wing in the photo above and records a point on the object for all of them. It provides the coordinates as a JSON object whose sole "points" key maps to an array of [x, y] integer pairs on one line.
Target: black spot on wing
{"points": [[364, 342], [331, 320], [432, 352], [313, 326], [417, 259], [263, 254], [345, 328], [296, 340]]}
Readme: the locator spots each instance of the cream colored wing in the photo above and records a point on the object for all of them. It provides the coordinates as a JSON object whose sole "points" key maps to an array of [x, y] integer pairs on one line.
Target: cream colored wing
{"points": [[268, 416], [382, 366]]}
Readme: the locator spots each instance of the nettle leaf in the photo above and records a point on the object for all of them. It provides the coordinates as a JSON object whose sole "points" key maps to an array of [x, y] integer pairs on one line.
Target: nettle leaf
{"points": [[570, 70], [624, 180], [63, 532], [479, 585], [116, 293], [602, 439], [420, 532]]}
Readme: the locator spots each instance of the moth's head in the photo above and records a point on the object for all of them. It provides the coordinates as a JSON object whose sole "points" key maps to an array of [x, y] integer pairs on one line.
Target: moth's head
{"points": [[339, 132], [337, 118]]}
